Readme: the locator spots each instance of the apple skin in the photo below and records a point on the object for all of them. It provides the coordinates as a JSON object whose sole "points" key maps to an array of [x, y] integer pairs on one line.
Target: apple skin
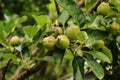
{"points": [[104, 8], [62, 42], [72, 31], [114, 28], [49, 42], [14, 41], [58, 31], [98, 44]]}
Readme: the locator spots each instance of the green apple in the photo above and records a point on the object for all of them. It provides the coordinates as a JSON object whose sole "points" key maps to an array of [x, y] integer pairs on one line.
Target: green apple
{"points": [[62, 42], [49, 42], [14, 41], [58, 31], [114, 28], [104, 8], [98, 44], [72, 32]]}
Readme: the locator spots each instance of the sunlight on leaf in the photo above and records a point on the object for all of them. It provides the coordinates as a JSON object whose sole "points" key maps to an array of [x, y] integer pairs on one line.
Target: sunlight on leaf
{"points": [[41, 20], [95, 67]]}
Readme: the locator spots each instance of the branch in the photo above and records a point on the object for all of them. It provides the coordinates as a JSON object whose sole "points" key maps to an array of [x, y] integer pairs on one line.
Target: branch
{"points": [[18, 71], [21, 74], [57, 7], [5, 69], [0, 75], [66, 76]]}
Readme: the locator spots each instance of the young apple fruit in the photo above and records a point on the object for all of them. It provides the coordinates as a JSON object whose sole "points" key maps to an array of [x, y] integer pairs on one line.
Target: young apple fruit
{"points": [[104, 8], [62, 42], [114, 28], [72, 32], [14, 41], [49, 42], [58, 31], [98, 44]]}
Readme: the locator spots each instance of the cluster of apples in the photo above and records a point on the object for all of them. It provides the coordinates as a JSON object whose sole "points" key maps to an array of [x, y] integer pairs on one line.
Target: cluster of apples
{"points": [[62, 41]]}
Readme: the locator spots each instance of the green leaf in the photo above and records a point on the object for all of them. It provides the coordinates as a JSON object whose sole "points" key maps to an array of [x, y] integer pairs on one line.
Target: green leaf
{"points": [[1, 32], [90, 41], [68, 54], [95, 67], [51, 6], [91, 17], [2, 35], [30, 31], [41, 20], [116, 3], [58, 58], [63, 17], [78, 68], [107, 52], [98, 35], [73, 10], [22, 19], [8, 56], [82, 36], [3, 63], [95, 25], [90, 76], [37, 38], [10, 26], [100, 56], [96, 21]]}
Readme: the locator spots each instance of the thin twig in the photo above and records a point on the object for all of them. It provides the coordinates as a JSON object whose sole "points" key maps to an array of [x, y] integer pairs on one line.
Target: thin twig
{"points": [[5, 69], [57, 7], [95, 6], [65, 76], [21, 74], [0, 75]]}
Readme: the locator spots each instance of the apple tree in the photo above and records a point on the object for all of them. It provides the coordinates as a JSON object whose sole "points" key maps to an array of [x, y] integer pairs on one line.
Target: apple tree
{"points": [[78, 39]]}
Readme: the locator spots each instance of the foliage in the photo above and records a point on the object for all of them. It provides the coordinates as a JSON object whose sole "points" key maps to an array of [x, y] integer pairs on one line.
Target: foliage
{"points": [[93, 54]]}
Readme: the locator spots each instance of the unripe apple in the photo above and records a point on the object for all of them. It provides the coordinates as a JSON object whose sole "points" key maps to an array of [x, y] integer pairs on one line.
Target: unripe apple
{"points": [[62, 42], [58, 31], [49, 42], [104, 8], [98, 44], [114, 28], [14, 41], [72, 32]]}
